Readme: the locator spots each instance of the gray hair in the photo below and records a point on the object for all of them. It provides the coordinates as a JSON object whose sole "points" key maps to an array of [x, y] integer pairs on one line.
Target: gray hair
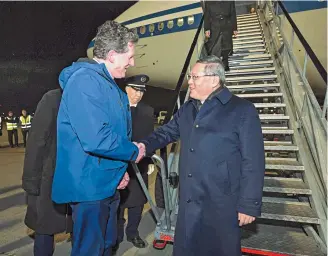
{"points": [[113, 36], [214, 66]]}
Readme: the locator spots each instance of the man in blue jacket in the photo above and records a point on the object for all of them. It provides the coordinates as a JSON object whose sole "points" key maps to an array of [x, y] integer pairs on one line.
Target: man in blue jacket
{"points": [[94, 140], [221, 162]]}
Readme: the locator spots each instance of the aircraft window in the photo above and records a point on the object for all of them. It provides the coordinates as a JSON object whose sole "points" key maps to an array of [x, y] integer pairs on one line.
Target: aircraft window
{"points": [[180, 22], [142, 30], [151, 28], [170, 24], [191, 20], [160, 26]]}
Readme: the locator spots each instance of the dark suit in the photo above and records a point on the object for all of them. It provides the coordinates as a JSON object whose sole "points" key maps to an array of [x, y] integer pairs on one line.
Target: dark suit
{"points": [[221, 172], [44, 216], [133, 196], [220, 18]]}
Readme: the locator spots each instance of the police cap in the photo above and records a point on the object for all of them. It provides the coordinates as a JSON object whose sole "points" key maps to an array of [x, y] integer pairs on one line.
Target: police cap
{"points": [[137, 82]]}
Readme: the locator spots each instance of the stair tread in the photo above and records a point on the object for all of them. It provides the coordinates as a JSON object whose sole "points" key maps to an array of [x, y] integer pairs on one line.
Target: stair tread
{"points": [[237, 39], [268, 105], [258, 45], [251, 78], [231, 87], [285, 185], [250, 71], [273, 117], [244, 57], [245, 64], [281, 147], [256, 41], [260, 95], [289, 212], [288, 242]]}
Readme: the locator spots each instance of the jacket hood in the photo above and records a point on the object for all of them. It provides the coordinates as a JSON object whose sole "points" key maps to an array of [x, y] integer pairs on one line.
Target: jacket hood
{"points": [[82, 63]]}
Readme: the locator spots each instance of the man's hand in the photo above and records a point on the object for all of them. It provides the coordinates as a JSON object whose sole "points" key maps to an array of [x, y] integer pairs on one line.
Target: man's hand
{"points": [[124, 182], [151, 169], [235, 33], [142, 151], [208, 33], [245, 219]]}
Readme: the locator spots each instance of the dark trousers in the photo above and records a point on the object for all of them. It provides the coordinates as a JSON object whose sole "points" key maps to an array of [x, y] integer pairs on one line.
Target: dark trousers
{"points": [[225, 60], [11, 134], [43, 245], [25, 134], [134, 218], [95, 227]]}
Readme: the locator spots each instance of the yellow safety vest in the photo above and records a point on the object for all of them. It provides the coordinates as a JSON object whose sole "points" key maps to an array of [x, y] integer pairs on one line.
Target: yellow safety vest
{"points": [[11, 124], [25, 122]]}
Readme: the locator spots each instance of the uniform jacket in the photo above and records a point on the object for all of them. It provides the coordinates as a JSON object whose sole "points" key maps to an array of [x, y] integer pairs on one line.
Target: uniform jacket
{"points": [[94, 135], [11, 123], [221, 172], [42, 214], [142, 126], [220, 18]]}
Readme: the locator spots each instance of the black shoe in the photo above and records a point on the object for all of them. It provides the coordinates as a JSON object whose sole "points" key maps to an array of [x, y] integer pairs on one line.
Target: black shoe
{"points": [[227, 69], [137, 242]]}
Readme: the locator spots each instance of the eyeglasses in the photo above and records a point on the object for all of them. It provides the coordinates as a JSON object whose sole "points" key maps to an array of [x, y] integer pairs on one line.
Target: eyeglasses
{"points": [[195, 77]]}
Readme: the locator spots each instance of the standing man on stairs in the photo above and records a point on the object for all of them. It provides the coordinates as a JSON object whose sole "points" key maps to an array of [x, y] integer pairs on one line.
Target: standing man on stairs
{"points": [[133, 197], [220, 23]]}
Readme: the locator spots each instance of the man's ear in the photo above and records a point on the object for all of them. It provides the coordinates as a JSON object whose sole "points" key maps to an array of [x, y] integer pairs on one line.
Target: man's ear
{"points": [[111, 56], [216, 81]]}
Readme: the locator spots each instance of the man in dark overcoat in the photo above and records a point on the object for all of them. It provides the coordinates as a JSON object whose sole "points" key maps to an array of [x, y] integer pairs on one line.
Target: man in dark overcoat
{"points": [[220, 23], [222, 164], [43, 216], [133, 197]]}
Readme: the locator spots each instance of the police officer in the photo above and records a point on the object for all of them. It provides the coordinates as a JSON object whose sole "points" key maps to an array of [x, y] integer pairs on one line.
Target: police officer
{"points": [[25, 121], [133, 198], [12, 125], [220, 23]]}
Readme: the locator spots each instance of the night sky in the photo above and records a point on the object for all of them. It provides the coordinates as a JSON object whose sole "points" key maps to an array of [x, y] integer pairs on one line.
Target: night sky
{"points": [[38, 39]]}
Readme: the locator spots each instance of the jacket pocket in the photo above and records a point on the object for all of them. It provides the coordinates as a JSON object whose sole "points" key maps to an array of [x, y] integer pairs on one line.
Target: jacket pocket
{"points": [[109, 164], [223, 178]]}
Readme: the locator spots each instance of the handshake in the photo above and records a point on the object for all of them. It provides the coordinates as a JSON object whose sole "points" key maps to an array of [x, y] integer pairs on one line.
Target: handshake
{"points": [[142, 151]]}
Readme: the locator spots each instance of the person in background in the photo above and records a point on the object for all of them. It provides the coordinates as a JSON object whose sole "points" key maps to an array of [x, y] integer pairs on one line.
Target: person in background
{"points": [[25, 124], [94, 140], [221, 163], [220, 24], [133, 197], [12, 126], [43, 216]]}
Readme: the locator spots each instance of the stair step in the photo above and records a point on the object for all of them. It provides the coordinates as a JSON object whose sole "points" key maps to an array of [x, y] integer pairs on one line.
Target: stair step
{"points": [[269, 128], [242, 87], [243, 31], [283, 165], [251, 78], [248, 25], [286, 186], [249, 46], [280, 148], [286, 243], [273, 117], [256, 41], [240, 57], [301, 213], [248, 22], [260, 95], [272, 143], [249, 64], [250, 71], [246, 15], [249, 38], [270, 105], [249, 33], [251, 51]]}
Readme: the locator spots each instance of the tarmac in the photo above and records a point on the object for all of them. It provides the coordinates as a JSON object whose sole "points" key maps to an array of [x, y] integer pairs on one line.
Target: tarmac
{"points": [[15, 237]]}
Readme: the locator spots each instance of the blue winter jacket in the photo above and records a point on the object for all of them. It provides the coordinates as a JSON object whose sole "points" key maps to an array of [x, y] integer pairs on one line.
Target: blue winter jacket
{"points": [[94, 135]]}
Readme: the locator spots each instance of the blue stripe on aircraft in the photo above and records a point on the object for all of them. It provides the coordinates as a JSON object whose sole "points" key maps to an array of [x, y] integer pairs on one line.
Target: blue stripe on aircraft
{"points": [[301, 6], [162, 13]]}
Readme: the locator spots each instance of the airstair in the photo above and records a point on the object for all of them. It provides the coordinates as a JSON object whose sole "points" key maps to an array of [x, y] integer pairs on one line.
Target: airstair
{"points": [[290, 223], [264, 70]]}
